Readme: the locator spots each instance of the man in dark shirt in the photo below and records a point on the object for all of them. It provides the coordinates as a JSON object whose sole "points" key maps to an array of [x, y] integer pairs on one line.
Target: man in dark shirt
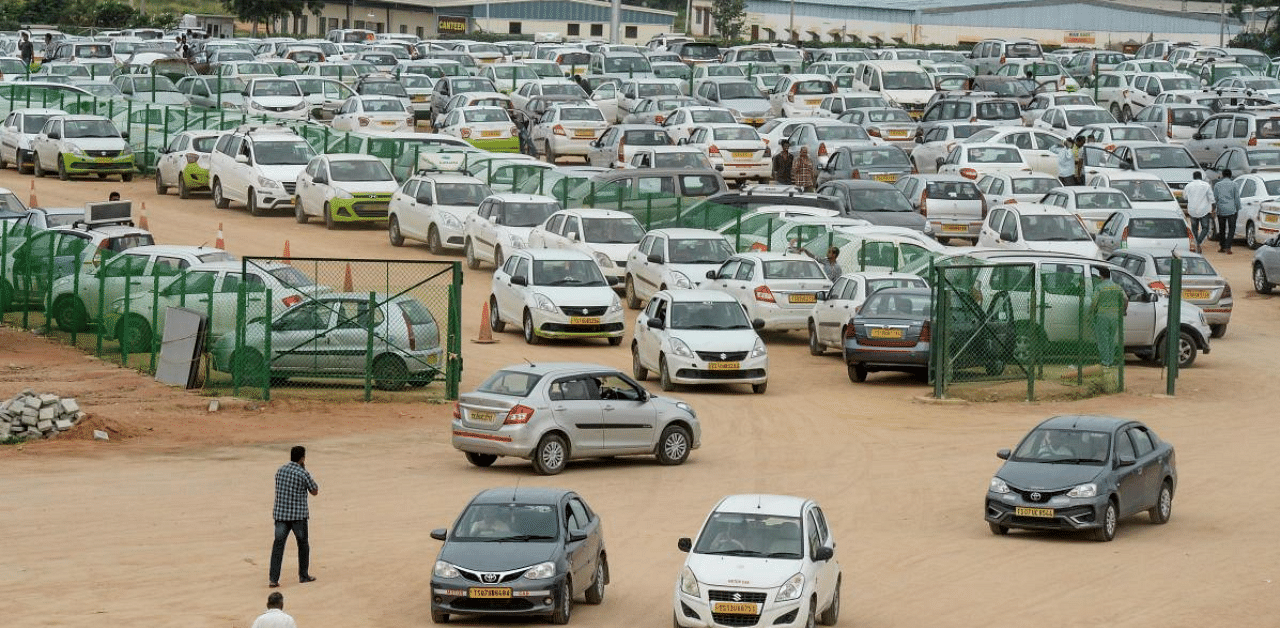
{"points": [[26, 50], [782, 163], [293, 482]]}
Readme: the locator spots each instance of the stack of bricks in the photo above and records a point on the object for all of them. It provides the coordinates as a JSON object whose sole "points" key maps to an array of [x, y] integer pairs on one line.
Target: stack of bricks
{"points": [[30, 415]]}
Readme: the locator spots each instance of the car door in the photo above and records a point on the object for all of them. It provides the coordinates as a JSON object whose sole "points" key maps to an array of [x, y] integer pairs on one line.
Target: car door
{"points": [[1148, 465], [648, 340], [307, 183], [411, 213], [1141, 312], [1063, 287], [1253, 192], [9, 136], [1129, 480], [826, 573], [832, 313], [344, 346], [629, 415], [484, 230], [1108, 236], [45, 145], [168, 165], [509, 295], [583, 554], [577, 408], [296, 335]]}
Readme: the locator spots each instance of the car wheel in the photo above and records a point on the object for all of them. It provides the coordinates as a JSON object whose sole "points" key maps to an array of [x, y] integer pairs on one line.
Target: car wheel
{"points": [[248, 367], [62, 169], [547, 152], [629, 290], [595, 593], [433, 241], [857, 373], [1110, 520], [393, 232], [251, 201], [760, 388], [831, 615], [23, 157], [1251, 235], [496, 324], [126, 177], [551, 455], [1115, 111], [812, 620], [134, 334], [1163, 509], [565, 607], [530, 336], [664, 375], [1126, 114], [673, 447], [36, 169], [184, 192], [998, 529], [615, 341], [161, 188], [1260, 283], [470, 254], [1218, 331], [328, 218], [815, 347], [299, 214], [481, 460], [497, 257], [638, 371], [390, 373], [219, 200], [70, 315], [438, 617], [3, 162], [1186, 350]]}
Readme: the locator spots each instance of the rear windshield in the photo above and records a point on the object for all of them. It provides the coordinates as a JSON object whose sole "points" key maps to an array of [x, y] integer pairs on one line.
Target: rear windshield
{"points": [[1164, 157], [1190, 266], [1189, 116], [699, 251], [415, 312], [1144, 191], [1023, 51], [291, 277], [907, 80], [1157, 228], [647, 137], [510, 383], [612, 230], [994, 155], [1034, 185], [793, 269], [999, 111], [954, 191], [876, 285], [216, 256], [527, 214], [1102, 200], [898, 305], [1053, 228], [124, 243], [815, 87], [700, 51]]}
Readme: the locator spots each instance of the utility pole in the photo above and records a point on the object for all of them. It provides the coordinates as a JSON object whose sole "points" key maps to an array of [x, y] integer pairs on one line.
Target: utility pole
{"points": [[792, 26], [615, 21], [1222, 25]]}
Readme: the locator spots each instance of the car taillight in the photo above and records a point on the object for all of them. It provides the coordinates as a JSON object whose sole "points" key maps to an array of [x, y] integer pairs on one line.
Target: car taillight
{"points": [[659, 119], [1159, 286], [1002, 61], [1253, 141], [365, 122], [465, 133], [873, 132], [558, 130], [969, 173], [413, 340], [767, 153], [457, 410], [291, 301], [926, 334], [850, 330], [1010, 201], [1124, 235], [713, 150], [856, 174], [763, 293], [193, 157], [822, 149], [514, 131], [1111, 147], [1169, 125], [1226, 291], [622, 142], [518, 415], [924, 204]]}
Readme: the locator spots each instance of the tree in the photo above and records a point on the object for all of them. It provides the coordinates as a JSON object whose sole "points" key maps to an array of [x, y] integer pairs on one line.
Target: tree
{"points": [[728, 16], [255, 11]]}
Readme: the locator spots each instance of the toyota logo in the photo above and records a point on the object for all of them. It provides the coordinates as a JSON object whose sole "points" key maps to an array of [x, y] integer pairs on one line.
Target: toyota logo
{"points": [[1035, 497], [737, 597], [489, 578]]}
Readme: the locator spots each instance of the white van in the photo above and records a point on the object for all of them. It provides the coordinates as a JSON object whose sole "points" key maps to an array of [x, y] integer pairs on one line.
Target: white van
{"points": [[904, 83]]}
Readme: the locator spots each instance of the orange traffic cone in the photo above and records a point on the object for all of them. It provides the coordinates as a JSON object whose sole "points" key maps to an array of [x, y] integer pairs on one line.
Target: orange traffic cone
{"points": [[219, 243], [142, 218], [486, 332], [347, 284], [286, 252], [31, 200]]}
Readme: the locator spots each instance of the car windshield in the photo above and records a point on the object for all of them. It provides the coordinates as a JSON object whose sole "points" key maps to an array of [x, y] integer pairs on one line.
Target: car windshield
{"points": [[33, 122], [1053, 228], [723, 70], [1034, 185], [994, 155], [1159, 228], [793, 269], [416, 81], [1008, 88], [813, 87], [510, 383], [708, 315], [89, 128], [486, 115], [465, 194], [878, 200], [998, 111], [711, 116], [563, 89], [954, 191], [680, 160], [10, 202], [672, 70], [384, 88], [1144, 191], [1083, 117], [841, 132], [908, 80], [526, 214], [1132, 134], [736, 133], [626, 64], [739, 91], [1102, 200], [647, 137], [1164, 157], [382, 105], [876, 285], [612, 230], [62, 220], [362, 170], [464, 85], [204, 144], [649, 90], [1041, 69], [755, 535], [1064, 447], [216, 256], [581, 113], [1189, 116], [275, 88], [493, 523], [517, 72], [888, 115], [699, 251], [566, 272], [282, 153]]}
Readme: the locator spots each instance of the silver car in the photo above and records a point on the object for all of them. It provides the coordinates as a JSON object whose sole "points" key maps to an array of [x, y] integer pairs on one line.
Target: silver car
{"points": [[553, 412], [1201, 282]]}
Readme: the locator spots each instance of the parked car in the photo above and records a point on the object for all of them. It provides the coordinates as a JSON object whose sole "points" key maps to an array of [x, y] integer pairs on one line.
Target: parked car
{"points": [[1020, 187], [501, 225], [877, 163], [1201, 282], [874, 201], [555, 294], [736, 150], [829, 320], [82, 145], [698, 337], [675, 258], [952, 205], [778, 288], [1036, 227], [567, 130], [344, 188], [607, 236], [19, 129], [1143, 189], [258, 166], [184, 162], [433, 208], [1094, 205], [1148, 228]]}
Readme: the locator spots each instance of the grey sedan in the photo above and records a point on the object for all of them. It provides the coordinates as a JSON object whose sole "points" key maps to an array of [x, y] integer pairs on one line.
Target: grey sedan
{"points": [[553, 412], [1082, 472], [1201, 282]]}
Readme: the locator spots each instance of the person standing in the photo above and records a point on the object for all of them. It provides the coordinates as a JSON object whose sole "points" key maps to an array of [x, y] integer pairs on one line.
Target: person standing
{"points": [[1077, 155], [1199, 195], [782, 163], [1066, 162], [803, 175], [1226, 197], [1109, 306], [830, 266], [293, 482], [274, 617], [26, 50]]}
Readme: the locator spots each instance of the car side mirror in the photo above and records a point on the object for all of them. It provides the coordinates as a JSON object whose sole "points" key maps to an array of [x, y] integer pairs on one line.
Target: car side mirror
{"points": [[757, 324], [919, 139], [573, 236], [439, 534], [655, 258], [823, 554], [1124, 460], [1197, 136], [684, 544], [614, 281], [822, 295], [1152, 297], [493, 219], [320, 179], [242, 159], [1126, 165], [656, 323], [1003, 454], [576, 536], [124, 135], [519, 280], [711, 274]]}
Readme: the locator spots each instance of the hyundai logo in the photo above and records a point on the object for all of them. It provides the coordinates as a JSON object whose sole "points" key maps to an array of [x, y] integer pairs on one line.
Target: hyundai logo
{"points": [[737, 597], [1035, 497], [488, 578]]}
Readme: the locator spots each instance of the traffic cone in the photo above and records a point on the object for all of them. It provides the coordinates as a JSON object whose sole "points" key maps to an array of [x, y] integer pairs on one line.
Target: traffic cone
{"points": [[142, 218], [347, 284], [219, 243], [31, 200], [486, 333], [286, 252]]}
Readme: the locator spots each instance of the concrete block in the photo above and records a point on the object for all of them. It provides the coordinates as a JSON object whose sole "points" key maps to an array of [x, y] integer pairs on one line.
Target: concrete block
{"points": [[70, 406], [4, 431], [214, 405], [27, 392], [62, 425], [31, 402], [100, 435], [31, 433], [81, 415], [44, 426], [47, 413], [29, 418]]}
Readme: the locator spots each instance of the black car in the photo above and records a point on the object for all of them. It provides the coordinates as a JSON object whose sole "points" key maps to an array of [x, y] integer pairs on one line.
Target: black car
{"points": [[520, 551], [874, 201], [1082, 473]]}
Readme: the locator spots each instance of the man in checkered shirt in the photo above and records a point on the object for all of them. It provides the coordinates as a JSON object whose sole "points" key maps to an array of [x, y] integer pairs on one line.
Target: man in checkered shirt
{"points": [[293, 482]]}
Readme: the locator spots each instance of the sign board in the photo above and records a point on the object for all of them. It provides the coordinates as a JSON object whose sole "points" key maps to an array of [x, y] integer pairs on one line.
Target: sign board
{"points": [[451, 24], [1079, 37], [107, 213]]}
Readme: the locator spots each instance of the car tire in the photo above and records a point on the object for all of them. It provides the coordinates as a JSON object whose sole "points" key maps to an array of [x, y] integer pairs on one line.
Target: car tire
{"points": [[1115, 111], [126, 177], [815, 347], [438, 617], [664, 375], [433, 241], [760, 388], [595, 592], [1251, 235], [36, 169], [857, 373], [530, 335], [248, 366], [638, 371], [134, 334], [251, 202], [1187, 349], [1163, 509], [1110, 521], [184, 192], [62, 169], [811, 621], [1218, 331], [831, 614], [998, 529], [615, 341], [497, 257], [390, 373], [548, 153], [3, 162], [299, 214], [22, 167], [1260, 283], [564, 606], [469, 253], [481, 460], [674, 445], [629, 291], [496, 324], [393, 232], [161, 188], [70, 315], [329, 222], [219, 200], [551, 455], [1126, 114]]}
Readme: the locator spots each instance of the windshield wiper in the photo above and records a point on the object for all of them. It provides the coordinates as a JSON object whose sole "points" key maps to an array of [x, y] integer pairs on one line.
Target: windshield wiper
{"points": [[1071, 460], [783, 555], [522, 537], [735, 552]]}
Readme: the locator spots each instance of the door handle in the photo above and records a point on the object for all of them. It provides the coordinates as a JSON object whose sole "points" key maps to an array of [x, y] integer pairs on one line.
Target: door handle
{"points": [[561, 408], [608, 407]]}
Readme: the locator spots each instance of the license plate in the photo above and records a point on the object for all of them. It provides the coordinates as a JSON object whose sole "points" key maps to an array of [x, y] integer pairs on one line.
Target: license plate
{"points": [[1177, 193], [1195, 295], [481, 417], [807, 297], [387, 122], [490, 133], [897, 133], [723, 366], [735, 608], [1044, 513], [741, 155], [489, 593], [886, 178], [955, 228], [813, 102], [418, 98], [886, 333], [103, 160], [1270, 218], [584, 133], [584, 320]]}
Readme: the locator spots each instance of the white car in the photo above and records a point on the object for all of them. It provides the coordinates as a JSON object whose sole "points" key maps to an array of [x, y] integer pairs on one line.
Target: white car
{"points": [[184, 163], [373, 114], [20, 127], [1018, 187], [258, 166], [508, 77], [555, 294], [1041, 103], [698, 337], [567, 130], [1255, 190], [501, 225], [672, 258], [831, 315], [1171, 162], [799, 95], [81, 145], [620, 143], [1144, 190], [632, 91], [1108, 135], [433, 208], [1094, 205], [1036, 146], [605, 235], [736, 150], [1067, 120], [670, 157], [936, 143], [681, 122], [971, 161], [344, 188], [764, 229], [1036, 227], [488, 128], [277, 97], [779, 288], [759, 560], [544, 87]]}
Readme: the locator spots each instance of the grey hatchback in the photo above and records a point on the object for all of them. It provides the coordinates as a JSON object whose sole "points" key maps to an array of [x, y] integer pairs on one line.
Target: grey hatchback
{"points": [[1081, 472]]}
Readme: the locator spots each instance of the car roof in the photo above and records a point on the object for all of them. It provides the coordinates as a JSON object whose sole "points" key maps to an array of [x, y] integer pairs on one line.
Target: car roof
{"points": [[1076, 189], [511, 197], [782, 505], [592, 212], [686, 233], [1041, 209], [1092, 422], [349, 157], [521, 495], [881, 275], [558, 368], [765, 256], [172, 249], [940, 177], [554, 254], [237, 265], [686, 296], [1150, 251], [1150, 213]]}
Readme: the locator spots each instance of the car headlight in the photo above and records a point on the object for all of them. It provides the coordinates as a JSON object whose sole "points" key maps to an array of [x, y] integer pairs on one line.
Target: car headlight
{"points": [[518, 242], [680, 280], [616, 306], [450, 220], [1084, 490], [75, 150], [686, 407], [126, 150], [603, 260], [689, 583], [445, 570], [541, 571], [253, 104], [341, 193], [268, 183], [301, 105], [737, 115], [542, 302], [681, 349], [998, 486], [758, 350], [792, 588]]}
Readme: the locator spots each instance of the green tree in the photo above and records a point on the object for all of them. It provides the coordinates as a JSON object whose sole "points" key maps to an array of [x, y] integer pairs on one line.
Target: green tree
{"points": [[255, 11], [729, 16], [114, 14]]}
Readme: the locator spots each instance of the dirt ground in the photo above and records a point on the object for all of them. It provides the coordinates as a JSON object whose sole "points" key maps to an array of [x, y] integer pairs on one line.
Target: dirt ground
{"points": [[169, 522]]}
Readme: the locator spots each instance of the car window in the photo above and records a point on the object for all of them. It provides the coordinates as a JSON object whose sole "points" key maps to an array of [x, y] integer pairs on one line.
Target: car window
{"points": [[576, 515], [615, 387], [729, 270], [355, 315], [746, 271], [1141, 441], [575, 389], [1124, 447], [306, 316]]}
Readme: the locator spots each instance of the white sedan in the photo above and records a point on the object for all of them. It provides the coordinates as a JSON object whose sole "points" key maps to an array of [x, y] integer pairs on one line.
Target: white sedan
{"points": [[734, 149], [567, 130], [779, 288], [373, 114], [488, 128], [974, 160], [554, 294], [698, 337]]}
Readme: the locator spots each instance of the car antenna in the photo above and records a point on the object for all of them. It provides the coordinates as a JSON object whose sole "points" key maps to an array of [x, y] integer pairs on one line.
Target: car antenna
{"points": [[530, 362], [514, 489]]}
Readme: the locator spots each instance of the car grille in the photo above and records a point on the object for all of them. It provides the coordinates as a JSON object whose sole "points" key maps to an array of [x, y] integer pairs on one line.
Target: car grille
{"points": [[725, 619], [476, 576], [102, 153], [285, 108], [1177, 186], [718, 374], [620, 263], [90, 165], [375, 209], [1037, 497], [289, 187], [722, 356], [583, 329], [511, 605], [579, 310]]}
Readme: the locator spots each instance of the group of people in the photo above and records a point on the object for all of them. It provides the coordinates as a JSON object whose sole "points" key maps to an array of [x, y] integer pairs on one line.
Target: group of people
{"points": [[798, 170]]}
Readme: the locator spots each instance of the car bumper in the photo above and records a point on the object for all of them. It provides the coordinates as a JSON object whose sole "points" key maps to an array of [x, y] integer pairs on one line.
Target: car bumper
{"points": [[577, 146], [508, 440], [451, 237], [275, 198], [195, 176], [526, 597], [943, 228], [746, 171], [780, 318], [97, 165], [914, 355], [497, 145], [370, 209], [1216, 313], [697, 371], [696, 612], [1059, 513]]}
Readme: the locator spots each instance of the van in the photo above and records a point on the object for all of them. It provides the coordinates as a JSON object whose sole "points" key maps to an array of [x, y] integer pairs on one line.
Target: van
{"points": [[990, 54], [657, 197], [904, 83], [622, 65]]}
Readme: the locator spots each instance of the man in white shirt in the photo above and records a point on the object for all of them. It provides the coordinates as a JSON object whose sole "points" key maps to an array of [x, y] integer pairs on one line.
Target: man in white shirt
{"points": [[1199, 195], [275, 617]]}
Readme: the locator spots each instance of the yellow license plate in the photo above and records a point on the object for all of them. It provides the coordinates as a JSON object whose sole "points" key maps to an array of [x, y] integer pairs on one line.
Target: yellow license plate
{"points": [[753, 121], [955, 228], [1044, 513], [723, 366], [735, 608], [897, 133], [886, 178], [1270, 218], [387, 122], [1177, 193], [103, 160], [741, 155], [490, 133], [813, 102], [886, 333], [584, 320], [807, 297], [584, 133], [489, 593], [1195, 295], [481, 417], [418, 98]]}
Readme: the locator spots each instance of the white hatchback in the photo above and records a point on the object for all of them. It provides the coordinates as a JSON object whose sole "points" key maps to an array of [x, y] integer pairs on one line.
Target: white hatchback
{"points": [[501, 225], [698, 337], [554, 294], [672, 258], [433, 209]]}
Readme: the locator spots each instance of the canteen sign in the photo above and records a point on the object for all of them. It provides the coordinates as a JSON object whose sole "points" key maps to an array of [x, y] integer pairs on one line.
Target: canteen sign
{"points": [[451, 24]]}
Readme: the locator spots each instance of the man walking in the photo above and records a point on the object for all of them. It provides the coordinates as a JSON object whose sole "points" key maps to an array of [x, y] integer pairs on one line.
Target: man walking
{"points": [[782, 163], [1226, 197], [803, 174], [1199, 197], [293, 482], [274, 617]]}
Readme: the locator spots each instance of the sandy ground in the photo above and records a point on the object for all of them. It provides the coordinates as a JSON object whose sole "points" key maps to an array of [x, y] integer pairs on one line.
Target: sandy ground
{"points": [[169, 523]]}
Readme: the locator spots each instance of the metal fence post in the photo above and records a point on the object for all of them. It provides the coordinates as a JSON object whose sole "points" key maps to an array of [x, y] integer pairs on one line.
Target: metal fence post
{"points": [[453, 356], [368, 349], [267, 355], [1173, 327], [155, 320]]}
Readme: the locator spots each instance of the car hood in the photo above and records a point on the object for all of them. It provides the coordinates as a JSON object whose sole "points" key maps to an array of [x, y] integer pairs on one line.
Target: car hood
{"points": [[717, 340], [746, 106], [367, 187], [96, 143], [616, 252], [697, 273], [563, 296], [162, 98], [742, 571], [278, 101], [281, 173], [497, 556], [1045, 476], [910, 96], [1172, 175], [892, 219]]}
